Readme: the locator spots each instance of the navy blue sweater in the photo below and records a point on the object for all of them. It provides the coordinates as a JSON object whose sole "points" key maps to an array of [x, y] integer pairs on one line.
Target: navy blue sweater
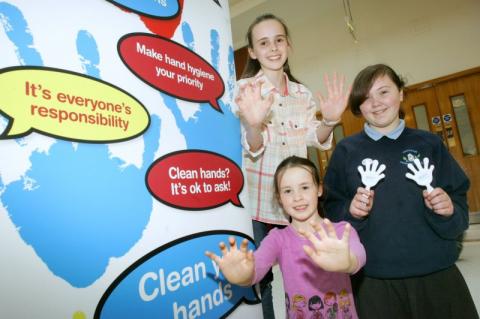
{"points": [[402, 237]]}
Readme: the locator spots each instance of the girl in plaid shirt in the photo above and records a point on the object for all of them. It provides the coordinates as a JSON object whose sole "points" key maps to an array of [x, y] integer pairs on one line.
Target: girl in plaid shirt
{"points": [[278, 116]]}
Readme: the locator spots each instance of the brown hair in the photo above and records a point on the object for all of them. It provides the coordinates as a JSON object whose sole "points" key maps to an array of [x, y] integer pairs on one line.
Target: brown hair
{"points": [[363, 83], [252, 66]]}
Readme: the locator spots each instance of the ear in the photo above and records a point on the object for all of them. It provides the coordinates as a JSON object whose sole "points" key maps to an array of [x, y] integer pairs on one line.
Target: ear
{"points": [[252, 54], [320, 190], [401, 95]]}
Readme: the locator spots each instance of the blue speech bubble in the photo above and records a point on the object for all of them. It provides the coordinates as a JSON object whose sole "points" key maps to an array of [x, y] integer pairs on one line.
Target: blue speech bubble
{"points": [[160, 9], [177, 280]]}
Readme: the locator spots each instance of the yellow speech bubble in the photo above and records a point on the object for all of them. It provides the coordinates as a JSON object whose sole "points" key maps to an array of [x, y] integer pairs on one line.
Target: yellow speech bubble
{"points": [[68, 105]]}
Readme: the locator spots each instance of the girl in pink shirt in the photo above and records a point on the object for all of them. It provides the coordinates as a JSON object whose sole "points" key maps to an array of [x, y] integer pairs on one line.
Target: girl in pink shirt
{"points": [[315, 255]]}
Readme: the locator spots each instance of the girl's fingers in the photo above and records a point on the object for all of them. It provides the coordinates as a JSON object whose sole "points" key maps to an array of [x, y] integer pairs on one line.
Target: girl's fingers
{"points": [[364, 192], [233, 243], [362, 202], [257, 90], [321, 98], [309, 251], [257, 87], [223, 248], [243, 246], [335, 84], [238, 101], [342, 84], [330, 229], [346, 233], [327, 84], [270, 99], [212, 256], [242, 88], [320, 231], [349, 90], [310, 236], [250, 255]]}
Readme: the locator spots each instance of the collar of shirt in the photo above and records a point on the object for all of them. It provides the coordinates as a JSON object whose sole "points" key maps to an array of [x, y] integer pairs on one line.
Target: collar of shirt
{"points": [[268, 87], [376, 135]]}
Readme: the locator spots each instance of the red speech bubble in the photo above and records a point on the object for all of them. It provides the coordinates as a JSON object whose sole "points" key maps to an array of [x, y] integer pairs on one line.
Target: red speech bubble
{"points": [[171, 68], [195, 180]]}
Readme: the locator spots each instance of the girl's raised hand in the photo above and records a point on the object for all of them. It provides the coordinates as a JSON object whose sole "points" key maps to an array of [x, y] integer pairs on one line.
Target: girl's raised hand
{"points": [[330, 252], [237, 265], [333, 105], [253, 108]]}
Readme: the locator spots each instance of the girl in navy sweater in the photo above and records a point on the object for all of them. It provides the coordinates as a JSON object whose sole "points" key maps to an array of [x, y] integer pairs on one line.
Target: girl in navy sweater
{"points": [[409, 233]]}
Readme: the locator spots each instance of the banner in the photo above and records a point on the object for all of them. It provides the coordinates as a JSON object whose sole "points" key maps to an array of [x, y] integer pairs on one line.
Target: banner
{"points": [[120, 160]]}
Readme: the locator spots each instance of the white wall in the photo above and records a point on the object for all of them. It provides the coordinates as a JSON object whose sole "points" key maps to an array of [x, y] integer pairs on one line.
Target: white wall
{"points": [[420, 39]]}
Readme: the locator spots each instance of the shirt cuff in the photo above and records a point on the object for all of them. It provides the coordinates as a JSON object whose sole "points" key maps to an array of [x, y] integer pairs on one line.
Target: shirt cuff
{"points": [[312, 139], [247, 147]]}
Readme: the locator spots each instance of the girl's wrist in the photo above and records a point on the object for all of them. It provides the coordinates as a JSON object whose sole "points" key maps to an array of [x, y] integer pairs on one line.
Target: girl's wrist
{"points": [[353, 264], [329, 123]]}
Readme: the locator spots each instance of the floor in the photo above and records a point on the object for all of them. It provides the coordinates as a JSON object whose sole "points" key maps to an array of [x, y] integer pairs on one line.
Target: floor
{"points": [[469, 264]]}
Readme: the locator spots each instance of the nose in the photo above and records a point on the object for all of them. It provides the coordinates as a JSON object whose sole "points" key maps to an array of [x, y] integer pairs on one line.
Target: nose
{"points": [[273, 46], [297, 196], [375, 100]]}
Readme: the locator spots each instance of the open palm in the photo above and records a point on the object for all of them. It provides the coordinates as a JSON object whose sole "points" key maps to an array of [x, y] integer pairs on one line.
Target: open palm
{"points": [[237, 265], [333, 105], [253, 107], [329, 252]]}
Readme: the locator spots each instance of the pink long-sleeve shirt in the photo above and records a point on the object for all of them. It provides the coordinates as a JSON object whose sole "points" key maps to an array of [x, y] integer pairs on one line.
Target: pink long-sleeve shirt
{"points": [[310, 292]]}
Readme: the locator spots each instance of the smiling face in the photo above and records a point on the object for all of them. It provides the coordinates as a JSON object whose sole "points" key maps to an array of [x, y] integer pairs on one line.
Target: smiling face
{"points": [[382, 105], [298, 195], [269, 45]]}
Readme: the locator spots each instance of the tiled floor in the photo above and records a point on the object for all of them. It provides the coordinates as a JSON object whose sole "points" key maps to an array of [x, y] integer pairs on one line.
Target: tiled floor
{"points": [[469, 264]]}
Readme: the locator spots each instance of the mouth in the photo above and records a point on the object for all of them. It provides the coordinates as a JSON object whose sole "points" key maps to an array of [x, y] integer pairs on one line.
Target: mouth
{"points": [[379, 112], [300, 208], [274, 57]]}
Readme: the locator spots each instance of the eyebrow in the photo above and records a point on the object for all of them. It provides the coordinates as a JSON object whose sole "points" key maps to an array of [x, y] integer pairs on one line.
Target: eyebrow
{"points": [[383, 86], [275, 36], [301, 184]]}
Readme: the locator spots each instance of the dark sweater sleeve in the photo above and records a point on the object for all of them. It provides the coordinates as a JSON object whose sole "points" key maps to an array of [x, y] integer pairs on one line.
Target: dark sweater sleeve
{"points": [[337, 198], [451, 178]]}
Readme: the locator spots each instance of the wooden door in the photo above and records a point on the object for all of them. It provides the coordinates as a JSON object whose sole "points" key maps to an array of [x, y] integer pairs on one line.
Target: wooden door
{"points": [[450, 107]]}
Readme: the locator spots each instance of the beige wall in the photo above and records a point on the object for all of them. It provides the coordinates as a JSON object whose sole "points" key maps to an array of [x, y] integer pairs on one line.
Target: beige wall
{"points": [[420, 39]]}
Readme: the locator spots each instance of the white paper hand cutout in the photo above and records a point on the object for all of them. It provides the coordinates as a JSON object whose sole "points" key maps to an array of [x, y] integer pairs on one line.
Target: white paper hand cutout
{"points": [[423, 176], [372, 172]]}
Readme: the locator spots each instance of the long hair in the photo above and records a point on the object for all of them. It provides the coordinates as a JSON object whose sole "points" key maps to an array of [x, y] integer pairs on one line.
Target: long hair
{"points": [[252, 66]]}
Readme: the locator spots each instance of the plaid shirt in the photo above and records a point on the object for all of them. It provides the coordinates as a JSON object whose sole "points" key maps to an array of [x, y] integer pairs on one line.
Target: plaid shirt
{"points": [[289, 129]]}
